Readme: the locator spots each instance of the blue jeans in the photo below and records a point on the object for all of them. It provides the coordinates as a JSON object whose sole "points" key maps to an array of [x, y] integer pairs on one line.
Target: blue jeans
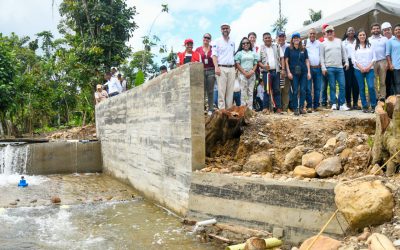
{"points": [[324, 90], [236, 98], [298, 82], [369, 78], [216, 98], [336, 75], [316, 80]]}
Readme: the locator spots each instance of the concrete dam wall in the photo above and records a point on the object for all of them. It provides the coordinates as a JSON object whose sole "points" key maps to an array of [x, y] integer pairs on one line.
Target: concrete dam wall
{"points": [[153, 135]]}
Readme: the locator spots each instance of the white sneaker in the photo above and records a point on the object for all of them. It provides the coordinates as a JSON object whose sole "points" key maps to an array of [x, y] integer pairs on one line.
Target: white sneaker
{"points": [[209, 113], [344, 107], [334, 107]]}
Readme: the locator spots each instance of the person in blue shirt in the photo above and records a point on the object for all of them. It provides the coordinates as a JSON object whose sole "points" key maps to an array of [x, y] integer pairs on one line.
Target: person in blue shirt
{"points": [[393, 57], [298, 71]]}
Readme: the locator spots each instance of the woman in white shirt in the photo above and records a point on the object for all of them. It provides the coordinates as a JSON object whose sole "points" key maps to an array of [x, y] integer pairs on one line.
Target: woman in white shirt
{"points": [[363, 59]]}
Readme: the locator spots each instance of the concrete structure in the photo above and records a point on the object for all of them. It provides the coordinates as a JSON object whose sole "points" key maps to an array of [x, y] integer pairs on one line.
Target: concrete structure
{"points": [[153, 135], [299, 208], [64, 158]]}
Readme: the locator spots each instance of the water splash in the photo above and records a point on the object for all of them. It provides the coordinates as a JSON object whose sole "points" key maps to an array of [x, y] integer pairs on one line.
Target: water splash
{"points": [[13, 158]]}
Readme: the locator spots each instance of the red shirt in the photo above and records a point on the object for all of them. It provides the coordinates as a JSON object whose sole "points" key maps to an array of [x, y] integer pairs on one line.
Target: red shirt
{"points": [[206, 59]]}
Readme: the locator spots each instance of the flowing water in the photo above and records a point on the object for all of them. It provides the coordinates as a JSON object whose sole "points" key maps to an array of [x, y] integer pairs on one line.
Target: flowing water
{"points": [[96, 212]]}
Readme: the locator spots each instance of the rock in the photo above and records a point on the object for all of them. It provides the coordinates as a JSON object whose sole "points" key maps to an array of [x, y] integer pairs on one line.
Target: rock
{"points": [[264, 142], [323, 242], [255, 243], [14, 203], [293, 158], [277, 232], [55, 200], [396, 243], [330, 143], [345, 154], [33, 201], [225, 171], [294, 248], [262, 134], [312, 159], [379, 242], [17, 200], [339, 149], [364, 202], [342, 136], [329, 167], [364, 236], [259, 162], [302, 171], [236, 168], [268, 176], [376, 170], [109, 197]]}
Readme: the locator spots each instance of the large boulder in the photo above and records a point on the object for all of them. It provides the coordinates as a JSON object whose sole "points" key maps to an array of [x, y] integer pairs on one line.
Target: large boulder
{"points": [[364, 202], [322, 242], [259, 162], [302, 171], [255, 243], [331, 143], [293, 158], [312, 159], [329, 167]]}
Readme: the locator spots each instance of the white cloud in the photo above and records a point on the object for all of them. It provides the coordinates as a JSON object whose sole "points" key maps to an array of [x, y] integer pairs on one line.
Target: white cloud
{"points": [[204, 23]]}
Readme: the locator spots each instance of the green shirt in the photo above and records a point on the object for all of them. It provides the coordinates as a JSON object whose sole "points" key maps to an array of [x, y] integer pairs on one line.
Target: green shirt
{"points": [[247, 60]]}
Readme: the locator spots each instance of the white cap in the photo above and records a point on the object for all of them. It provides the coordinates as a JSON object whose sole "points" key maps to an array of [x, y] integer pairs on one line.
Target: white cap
{"points": [[225, 24], [386, 25]]}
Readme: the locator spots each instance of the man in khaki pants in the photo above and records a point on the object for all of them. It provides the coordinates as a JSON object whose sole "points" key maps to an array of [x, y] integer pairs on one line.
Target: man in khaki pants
{"points": [[378, 43], [223, 51]]}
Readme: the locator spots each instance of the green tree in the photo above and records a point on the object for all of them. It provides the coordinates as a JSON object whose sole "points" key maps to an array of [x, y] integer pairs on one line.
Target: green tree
{"points": [[281, 22], [314, 16]]}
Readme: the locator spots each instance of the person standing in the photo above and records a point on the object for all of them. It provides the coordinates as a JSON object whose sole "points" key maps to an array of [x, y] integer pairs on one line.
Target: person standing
{"points": [[364, 59], [387, 32], [122, 81], [188, 55], [252, 36], [209, 71], [351, 85], [223, 51], [100, 94], [114, 87], [312, 97], [285, 99], [271, 61], [393, 58], [324, 89], [246, 63], [378, 43], [332, 54], [298, 70]]}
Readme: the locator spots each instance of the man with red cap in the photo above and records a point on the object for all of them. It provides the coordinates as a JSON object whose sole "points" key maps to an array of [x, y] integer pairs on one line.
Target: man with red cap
{"points": [[188, 55]]}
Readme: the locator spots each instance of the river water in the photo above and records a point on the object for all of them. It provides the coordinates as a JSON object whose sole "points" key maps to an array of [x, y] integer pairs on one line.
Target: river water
{"points": [[96, 212]]}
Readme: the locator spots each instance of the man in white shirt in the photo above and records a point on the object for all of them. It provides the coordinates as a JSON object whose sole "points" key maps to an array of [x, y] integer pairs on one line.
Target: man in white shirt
{"points": [[114, 87], [387, 32], [378, 43], [315, 83], [223, 50]]}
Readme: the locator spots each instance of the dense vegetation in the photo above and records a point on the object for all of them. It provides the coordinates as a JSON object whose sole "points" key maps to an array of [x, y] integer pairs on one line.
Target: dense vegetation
{"points": [[47, 82]]}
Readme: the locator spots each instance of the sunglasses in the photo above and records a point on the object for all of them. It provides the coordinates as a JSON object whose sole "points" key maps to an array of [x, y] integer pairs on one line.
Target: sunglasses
{"points": [[206, 37], [329, 31], [245, 43]]}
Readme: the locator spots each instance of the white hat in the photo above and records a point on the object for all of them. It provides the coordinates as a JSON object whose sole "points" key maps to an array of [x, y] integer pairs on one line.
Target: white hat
{"points": [[225, 24], [386, 25]]}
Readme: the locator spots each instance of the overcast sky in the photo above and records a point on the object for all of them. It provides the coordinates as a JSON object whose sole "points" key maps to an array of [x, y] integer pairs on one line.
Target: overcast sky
{"points": [[186, 18]]}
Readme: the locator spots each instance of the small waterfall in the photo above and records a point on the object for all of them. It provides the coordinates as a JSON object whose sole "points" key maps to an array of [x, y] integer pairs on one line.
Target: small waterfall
{"points": [[13, 158]]}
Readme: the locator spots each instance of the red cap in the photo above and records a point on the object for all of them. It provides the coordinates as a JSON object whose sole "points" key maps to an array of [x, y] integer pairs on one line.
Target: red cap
{"points": [[189, 40], [324, 26]]}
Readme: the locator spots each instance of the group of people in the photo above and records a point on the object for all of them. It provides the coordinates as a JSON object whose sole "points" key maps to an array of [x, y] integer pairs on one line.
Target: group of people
{"points": [[295, 77], [115, 84]]}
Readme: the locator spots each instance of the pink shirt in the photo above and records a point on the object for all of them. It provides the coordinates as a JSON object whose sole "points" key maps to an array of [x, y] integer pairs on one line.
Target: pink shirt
{"points": [[206, 59]]}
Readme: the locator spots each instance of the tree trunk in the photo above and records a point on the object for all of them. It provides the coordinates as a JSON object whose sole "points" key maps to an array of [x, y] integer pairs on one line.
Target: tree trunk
{"points": [[224, 125]]}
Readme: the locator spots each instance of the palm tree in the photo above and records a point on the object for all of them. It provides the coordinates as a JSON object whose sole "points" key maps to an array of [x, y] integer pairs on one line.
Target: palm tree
{"points": [[281, 22]]}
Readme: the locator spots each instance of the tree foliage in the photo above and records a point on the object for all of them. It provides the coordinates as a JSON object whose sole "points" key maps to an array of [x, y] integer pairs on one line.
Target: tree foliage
{"points": [[50, 82], [314, 16]]}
